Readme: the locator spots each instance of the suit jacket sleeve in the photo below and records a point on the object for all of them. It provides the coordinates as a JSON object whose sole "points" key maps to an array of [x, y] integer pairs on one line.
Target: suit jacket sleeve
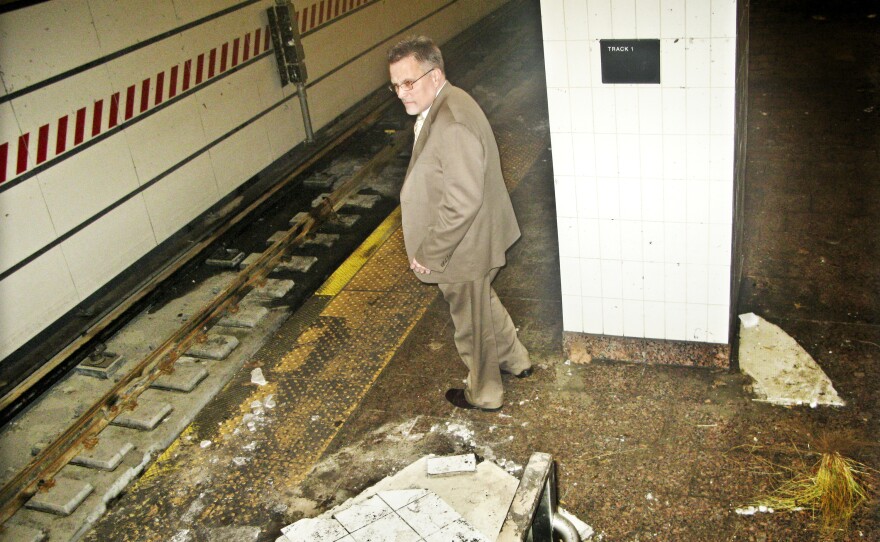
{"points": [[463, 166]]}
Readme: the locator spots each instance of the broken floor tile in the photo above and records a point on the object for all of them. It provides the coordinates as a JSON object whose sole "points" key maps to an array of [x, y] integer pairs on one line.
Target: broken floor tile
{"points": [[386, 529], [315, 530], [428, 514], [398, 498], [360, 514], [459, 530]]}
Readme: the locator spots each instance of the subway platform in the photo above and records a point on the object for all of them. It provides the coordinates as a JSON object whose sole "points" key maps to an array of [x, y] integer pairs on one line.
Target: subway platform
{"points": [[355, 379]]}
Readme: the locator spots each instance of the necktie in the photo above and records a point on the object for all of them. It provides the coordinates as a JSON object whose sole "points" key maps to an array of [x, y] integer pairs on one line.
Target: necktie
{"points": [[420, 120]]}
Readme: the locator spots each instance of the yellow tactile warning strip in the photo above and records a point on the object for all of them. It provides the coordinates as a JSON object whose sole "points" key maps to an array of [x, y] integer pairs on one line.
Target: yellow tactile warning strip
{"points": [[319, 365]]}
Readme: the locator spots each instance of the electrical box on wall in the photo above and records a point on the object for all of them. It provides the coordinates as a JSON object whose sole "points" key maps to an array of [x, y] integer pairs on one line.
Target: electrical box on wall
{"points": [[630, 61]]}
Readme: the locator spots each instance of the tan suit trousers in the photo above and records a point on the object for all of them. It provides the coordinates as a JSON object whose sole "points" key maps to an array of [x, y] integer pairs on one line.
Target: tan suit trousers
{"points": [[485, 337]]}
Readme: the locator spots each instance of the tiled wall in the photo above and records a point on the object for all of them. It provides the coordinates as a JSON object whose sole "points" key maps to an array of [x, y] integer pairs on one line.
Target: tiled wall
{"points": [[643, 173], [120, 126]]}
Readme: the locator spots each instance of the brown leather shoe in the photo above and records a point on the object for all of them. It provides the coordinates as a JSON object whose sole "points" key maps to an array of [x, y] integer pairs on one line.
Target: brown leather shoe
{"points": [[525, 373], [457, 398]]}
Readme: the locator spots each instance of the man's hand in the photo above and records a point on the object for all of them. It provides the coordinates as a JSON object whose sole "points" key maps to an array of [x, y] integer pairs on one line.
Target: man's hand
{"points": [[419, 268]]}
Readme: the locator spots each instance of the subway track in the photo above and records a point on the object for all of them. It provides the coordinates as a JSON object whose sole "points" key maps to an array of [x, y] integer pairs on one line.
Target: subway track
{"points": [[325, 206]]}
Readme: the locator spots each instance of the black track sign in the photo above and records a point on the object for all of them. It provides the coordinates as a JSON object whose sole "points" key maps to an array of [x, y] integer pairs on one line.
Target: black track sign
{"points": [[630, 61]]}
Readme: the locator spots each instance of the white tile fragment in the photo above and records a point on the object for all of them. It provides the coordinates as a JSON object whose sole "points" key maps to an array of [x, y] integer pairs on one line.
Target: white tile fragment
{"points": [[398, 498], [314, 530], [359, 515], [428, 514], [257, 377], [439, 466]]}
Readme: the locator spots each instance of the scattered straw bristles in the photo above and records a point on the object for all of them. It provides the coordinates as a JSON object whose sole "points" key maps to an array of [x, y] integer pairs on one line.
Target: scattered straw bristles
{"points": [[833, 488]]}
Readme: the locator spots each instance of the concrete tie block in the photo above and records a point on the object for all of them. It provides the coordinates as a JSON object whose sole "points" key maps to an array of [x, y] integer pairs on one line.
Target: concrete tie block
{"points": [[298, 218], [276, 237], [247, 316], [320, 180], [106, 455], [300, 264], [62, 498], [145, 417], [251, 258], [273, 289], [216, 347], [323, 239], [364, 201], [102, 366], [184, 379], [13, 532], [346, 221]]}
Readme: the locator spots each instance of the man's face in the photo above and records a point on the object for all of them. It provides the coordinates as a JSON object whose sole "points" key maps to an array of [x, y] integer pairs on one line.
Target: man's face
{"points": [[424, 90]]}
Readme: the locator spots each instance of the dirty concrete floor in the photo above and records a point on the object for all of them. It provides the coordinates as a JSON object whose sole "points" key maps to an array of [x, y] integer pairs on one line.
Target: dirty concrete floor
{"points": [[649, 452]]}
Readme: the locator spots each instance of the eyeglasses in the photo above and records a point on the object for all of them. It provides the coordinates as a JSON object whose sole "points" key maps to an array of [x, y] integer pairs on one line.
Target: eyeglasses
{"points": [[407, 85]]}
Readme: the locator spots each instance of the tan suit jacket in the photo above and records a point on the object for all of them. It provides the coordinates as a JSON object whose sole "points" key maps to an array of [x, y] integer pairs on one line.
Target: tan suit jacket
{"points": [[456, 213]]}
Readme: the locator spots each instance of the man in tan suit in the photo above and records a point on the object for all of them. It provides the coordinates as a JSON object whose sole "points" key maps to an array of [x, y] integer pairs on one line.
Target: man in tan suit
{"points": [[457, 218]]}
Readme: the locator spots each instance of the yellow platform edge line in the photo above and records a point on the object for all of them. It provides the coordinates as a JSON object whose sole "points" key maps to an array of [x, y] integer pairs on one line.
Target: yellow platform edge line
{"points": [[345, 272]]}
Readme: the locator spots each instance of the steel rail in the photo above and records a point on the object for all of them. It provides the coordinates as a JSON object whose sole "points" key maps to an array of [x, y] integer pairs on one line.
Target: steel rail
{"points": [[123, 395]]}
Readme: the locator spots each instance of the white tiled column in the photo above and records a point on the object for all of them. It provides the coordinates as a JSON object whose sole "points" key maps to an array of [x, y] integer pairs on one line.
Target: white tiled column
{"points": [[643, 173]]}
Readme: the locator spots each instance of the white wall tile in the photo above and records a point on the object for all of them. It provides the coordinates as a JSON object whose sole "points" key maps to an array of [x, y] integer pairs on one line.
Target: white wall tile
{"points": [[723, 18], [604, 110], [655, 320], [584, 146], [588, 235], [59, 36], [25, 225], [562, 153], [566, 196], [553, 20], [579, 69], [609, 239], [189, 10], [718, 324], [654, 283], [582, 110], [633, 318], [672, 19], [575, 19], [721, 202], [674, 157], [650, 109], [608, 190], [555, 63], [653, 245], [599, 19], [631, 240], [629, 156], [676, 322], [572, 315], [647, 19], [591, 278], [673, 63], [592, 315], [632, 279], [284, 127], [698, 201], [119, 25], [233, 167], [630, 199], [559, 109], [697, 157], [612, 282], [606, 155], [567, 230], [718, 284], [697, 322], [612, 316], [587, 197], [226, 104], [623, 18], [720, 244], [652, 199], [674, 110], [181, 196], [697, 59], [721, 149], [570, 275], [39, 293], [722, 111], [722, 55], [697, 243], [626, 102], [108, 246], [651, 158], [698, 111], [697, 283], [104, 173], [698, 18], [675, 242], [675, 283], [596, 63], [674, 201]]}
